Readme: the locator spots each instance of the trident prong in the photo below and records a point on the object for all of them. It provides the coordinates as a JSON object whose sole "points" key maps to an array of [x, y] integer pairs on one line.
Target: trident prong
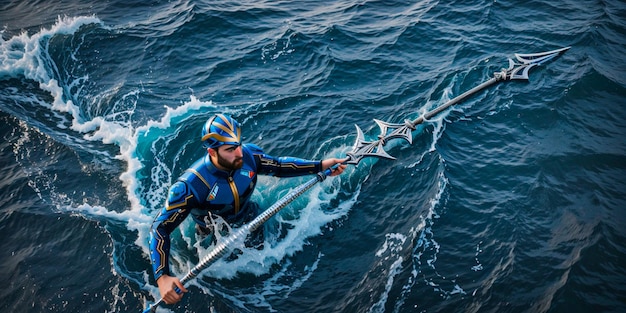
{"points": [[528, 61], [388, 131]]}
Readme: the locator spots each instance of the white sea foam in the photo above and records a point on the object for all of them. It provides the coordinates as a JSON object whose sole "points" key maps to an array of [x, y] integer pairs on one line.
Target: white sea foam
{"points": [[27, 56]]}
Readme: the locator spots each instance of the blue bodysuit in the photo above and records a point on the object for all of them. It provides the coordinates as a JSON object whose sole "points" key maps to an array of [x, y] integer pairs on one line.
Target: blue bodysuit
{"points": [[204, 189]]}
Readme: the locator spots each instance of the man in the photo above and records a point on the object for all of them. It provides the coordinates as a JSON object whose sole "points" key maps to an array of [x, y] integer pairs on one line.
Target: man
{"points": [[220, 183]]}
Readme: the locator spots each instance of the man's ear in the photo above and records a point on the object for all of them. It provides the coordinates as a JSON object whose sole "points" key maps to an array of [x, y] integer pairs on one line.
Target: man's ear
{"points": [[212, 152]]}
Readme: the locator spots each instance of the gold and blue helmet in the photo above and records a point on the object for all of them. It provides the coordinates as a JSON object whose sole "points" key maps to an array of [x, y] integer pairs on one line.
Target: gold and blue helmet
{"points": [[221, 130]]}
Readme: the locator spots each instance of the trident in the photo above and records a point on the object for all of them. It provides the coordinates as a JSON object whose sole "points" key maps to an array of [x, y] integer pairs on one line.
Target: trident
{"points": [[517, 70]]}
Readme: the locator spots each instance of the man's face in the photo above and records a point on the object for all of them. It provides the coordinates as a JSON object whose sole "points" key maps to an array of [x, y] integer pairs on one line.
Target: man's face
{"points": [[229, 157]]}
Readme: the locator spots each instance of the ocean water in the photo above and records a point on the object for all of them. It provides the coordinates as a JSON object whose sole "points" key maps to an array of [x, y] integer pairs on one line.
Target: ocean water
{"points": [[511, 201]]}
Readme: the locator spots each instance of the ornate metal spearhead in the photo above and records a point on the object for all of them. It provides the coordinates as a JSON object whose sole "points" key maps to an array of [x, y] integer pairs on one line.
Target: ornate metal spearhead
{"points": [[517, 70], [388, 131]]}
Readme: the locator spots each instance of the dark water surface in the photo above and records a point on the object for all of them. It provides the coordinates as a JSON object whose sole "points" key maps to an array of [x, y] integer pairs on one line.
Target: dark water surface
{"points": [[512, 201]]}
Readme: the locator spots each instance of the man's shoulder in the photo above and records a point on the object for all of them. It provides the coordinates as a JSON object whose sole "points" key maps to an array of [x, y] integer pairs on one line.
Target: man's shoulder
{"points": [[178, 195], [199, 177]]}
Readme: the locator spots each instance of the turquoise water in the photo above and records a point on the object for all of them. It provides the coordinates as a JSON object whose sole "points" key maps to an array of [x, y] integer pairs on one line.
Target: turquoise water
{"points": [[511, 201]]}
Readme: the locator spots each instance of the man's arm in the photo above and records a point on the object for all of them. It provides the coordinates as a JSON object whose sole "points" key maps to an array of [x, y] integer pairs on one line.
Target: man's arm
{"points": [[176, 209], [290, 166]]}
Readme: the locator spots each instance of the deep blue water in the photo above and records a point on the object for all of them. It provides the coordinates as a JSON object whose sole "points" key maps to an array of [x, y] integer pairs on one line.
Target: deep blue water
{"points": [[511, 201]]}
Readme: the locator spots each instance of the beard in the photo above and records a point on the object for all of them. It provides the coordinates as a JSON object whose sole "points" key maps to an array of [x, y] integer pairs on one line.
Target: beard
{"points": [[234, 165]]}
